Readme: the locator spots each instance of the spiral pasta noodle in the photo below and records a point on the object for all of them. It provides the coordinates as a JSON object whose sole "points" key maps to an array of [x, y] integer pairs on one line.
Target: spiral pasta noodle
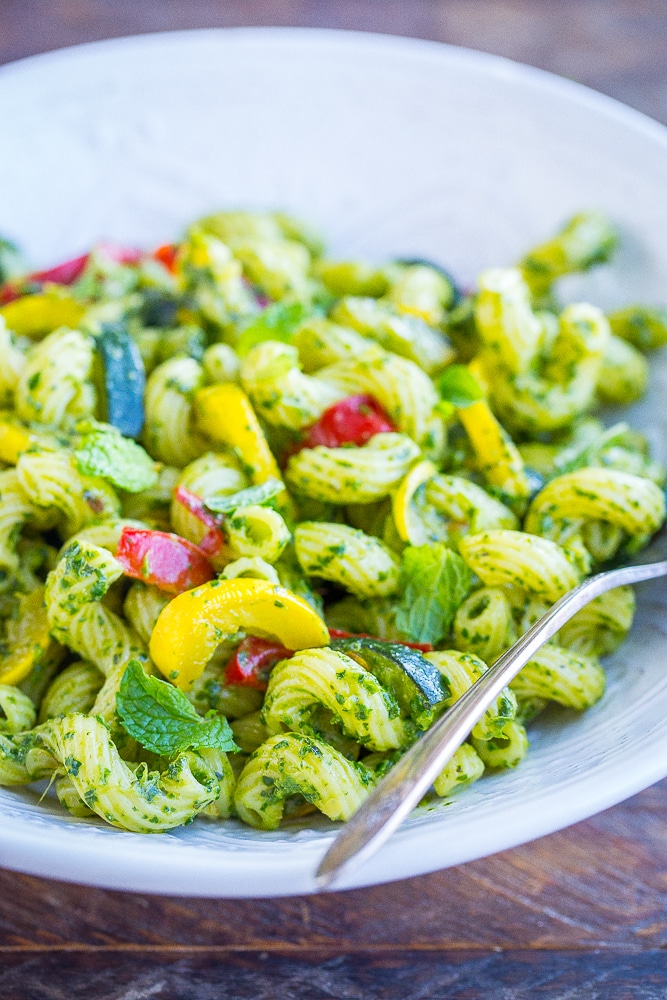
{"points": [[265, 516]]}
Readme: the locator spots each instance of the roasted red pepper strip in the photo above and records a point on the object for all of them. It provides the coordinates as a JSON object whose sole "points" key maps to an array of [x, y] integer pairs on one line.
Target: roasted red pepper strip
{"points": [[251, 663], [336, 633], [350, 421], [64, 274], [165, 560], [214, 539], [167, 256]]}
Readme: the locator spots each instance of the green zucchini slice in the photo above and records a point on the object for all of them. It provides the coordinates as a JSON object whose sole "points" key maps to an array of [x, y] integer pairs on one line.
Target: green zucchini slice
{"points": [[415, 682], [124, 379]]}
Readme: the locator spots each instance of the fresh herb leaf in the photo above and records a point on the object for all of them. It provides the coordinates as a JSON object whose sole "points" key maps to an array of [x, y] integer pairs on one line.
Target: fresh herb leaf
{"points": [[277, 322], [458, 387], [160, 717], [433, 583], [256, 495], [103, 451]]}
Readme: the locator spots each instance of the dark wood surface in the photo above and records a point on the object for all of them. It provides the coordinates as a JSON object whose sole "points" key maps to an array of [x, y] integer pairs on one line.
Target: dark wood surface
{"points": [[582, 913]]}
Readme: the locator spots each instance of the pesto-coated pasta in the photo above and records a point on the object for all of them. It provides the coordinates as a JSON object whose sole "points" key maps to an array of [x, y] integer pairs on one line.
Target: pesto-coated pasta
{"points": [[352, 475], [137, 800], [556, 674], [280, 392], [363, 707], [465, 767], [356, 561], [630, 503], [265, 515], [516, 557], [169, 434], [297, 764], [73, 690], [55, 381]]}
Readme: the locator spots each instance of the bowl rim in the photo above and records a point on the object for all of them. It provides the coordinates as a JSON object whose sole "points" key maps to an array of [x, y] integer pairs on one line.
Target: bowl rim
{"points": [[84, 853]]}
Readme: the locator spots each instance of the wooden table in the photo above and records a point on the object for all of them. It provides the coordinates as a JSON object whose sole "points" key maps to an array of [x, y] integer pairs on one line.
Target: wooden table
{"points": [[582, 913]]}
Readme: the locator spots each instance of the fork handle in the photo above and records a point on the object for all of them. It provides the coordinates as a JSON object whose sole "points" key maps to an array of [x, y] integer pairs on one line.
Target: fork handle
{"points": [[398, 793]]}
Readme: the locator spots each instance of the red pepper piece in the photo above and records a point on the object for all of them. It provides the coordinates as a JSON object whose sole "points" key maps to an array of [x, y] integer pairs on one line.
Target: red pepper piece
{"points": [[251, 663], [337, 633], [167, 256], [65, 273], [10, 291], [168, 561], [120, 255], [350, 421], [214, 539], [62, 274]]}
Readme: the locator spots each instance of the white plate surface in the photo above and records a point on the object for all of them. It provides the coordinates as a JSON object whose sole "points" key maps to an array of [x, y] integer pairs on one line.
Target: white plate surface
{"points": [[393, 147]]}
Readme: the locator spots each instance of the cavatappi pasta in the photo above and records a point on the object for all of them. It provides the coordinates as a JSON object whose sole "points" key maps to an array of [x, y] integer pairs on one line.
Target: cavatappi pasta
{"points": [[265, 515]]}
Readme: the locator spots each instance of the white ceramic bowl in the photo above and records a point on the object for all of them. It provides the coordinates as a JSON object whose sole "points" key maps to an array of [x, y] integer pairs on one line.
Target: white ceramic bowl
{"points": [[394, 148]]}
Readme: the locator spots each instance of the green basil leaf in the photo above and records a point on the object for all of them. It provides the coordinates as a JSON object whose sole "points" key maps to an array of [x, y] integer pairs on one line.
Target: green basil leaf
{"points": [[276, 322], [459, 387], [160, 717], [434, 581], [103, 451]]}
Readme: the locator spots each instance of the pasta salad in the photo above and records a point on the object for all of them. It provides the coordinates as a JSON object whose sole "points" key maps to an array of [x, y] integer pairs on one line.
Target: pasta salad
{"points": [[265, 514]]}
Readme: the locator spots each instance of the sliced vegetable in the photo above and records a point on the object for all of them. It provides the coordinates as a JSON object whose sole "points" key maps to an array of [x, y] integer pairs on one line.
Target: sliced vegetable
{"points": [[29, 639], [103, 451], [338, 633], [408, 525], [416, 683], [193, 625], [434, 581], [254, 495], [427, 262], [40, 314], [252, 661], [14, 440], [61, 274], [214, 539], [225, 414], [124, 378], [161, 718], [168, 561], [166, 255], [353, 420], [65, 273], [499, 459]]}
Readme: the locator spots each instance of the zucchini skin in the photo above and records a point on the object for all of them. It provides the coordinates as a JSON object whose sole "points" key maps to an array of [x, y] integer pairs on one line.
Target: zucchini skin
{"points": [[124, 379], [414, 681]]}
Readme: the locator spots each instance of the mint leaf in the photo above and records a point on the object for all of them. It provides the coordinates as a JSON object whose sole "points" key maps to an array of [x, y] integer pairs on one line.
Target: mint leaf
{"points": [[459, 387], [433, 583], [160, 717], [277, 322], [261, 494], [103, 451]]}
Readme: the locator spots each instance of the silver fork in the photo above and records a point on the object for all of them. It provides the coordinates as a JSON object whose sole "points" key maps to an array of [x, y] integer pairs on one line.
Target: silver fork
{"points": [[399, 792]]}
